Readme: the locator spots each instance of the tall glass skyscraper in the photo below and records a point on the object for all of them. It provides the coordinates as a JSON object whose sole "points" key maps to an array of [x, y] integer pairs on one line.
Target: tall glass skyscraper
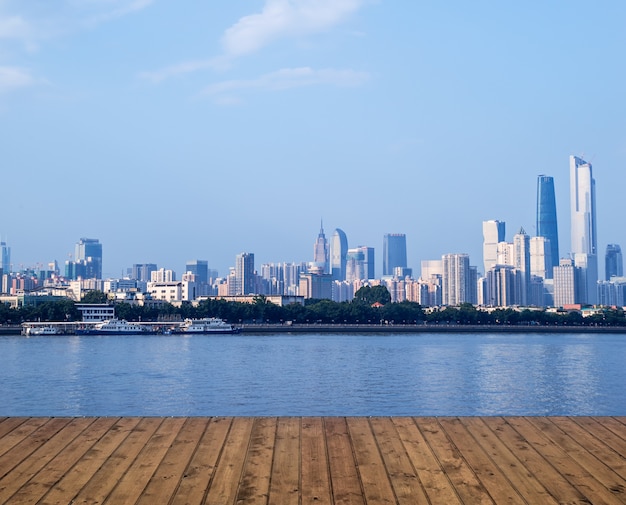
{"points": [[88, 252], [613, 262], [584, 240], [5, 258], [338, 253], [394, 252], [546, 219]]}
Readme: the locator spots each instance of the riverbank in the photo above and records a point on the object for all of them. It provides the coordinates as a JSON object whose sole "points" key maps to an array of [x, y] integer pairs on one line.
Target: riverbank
{"points": [[424, 328], [252, 329]]}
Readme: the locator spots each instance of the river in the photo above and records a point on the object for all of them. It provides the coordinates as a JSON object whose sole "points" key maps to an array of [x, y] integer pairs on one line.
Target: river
{"points": [[424, 374]]}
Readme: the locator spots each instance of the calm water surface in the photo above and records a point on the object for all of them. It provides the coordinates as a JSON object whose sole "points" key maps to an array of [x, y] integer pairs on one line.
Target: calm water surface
{"points": [[422, 374]]}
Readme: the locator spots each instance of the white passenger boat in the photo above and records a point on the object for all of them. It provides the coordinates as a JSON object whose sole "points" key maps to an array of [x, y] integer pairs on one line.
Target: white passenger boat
{"points": [[37, 330], [113, 327], [208, 325]]}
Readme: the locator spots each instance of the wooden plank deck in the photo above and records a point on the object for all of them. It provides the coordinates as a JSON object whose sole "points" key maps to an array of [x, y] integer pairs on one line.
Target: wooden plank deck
{"points": [[316, 460]]}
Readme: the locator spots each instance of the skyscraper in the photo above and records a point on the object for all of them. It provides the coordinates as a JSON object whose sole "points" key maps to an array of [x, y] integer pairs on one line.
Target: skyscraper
{"points": [[456, 279], [546, 218], [521, 261], [88, 252], [338, 252], [244, 274], [493, 234], [200, 268], [5, 257], [613, 262], [394, 252], [584, 240], [321, 251]]}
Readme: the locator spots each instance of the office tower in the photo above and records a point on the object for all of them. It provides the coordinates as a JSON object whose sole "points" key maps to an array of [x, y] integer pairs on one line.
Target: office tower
{"points": [[566, 289], [613, 262], [244, 274], [521, 261], [584, 240], [5, 252], [338, 251], [456, 279], [540, 257], [546, 218], [493, 234], [200, 268], [368, 259], [502, 286], [394, 252], [321, 251], [88, 251], [355, 265], [143, 271]]}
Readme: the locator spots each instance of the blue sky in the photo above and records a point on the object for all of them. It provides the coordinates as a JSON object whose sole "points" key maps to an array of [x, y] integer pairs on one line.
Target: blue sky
{"points": [[180, 130]]}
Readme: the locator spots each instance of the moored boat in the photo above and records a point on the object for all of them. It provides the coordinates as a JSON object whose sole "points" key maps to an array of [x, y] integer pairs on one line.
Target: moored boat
{"points": [[41, 330], [207, 325], [113, 327]]}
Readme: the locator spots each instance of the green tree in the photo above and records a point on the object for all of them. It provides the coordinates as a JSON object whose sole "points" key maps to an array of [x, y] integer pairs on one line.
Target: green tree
{"points": [[372, 294], [94, 296]]}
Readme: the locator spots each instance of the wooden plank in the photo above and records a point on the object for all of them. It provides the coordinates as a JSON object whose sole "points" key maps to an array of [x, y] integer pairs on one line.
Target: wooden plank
{"points": [[374, 479], [56, 480], [200, 471], [110, 472], [527, 451], [255, 481], [605, 437], [344, 479], [486, 471], [20, 443], [505, 459], [314, 472], [616, 425], [465, 482], [223, 489], [583, 469], [403, 477], [437, 486], [134, 481], [8, 425], [166, 479], [285, 481], [23, 472]]}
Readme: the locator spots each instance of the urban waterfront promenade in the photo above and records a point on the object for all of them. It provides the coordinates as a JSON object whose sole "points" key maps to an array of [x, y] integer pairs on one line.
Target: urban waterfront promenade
{"points": [[316, 460]]}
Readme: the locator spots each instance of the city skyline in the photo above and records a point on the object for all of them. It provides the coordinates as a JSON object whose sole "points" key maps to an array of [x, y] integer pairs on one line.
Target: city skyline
{"points": [[173, 132]]}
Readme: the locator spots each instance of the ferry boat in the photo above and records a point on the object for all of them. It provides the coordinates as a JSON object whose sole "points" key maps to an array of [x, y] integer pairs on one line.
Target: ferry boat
{"points": [[38, 330], [208, 325], [113, 327]]}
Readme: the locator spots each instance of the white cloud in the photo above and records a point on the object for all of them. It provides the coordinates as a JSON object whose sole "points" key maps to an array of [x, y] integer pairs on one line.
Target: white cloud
{"points": [[285, 18], [278, 19], [12, 78], [118, 10], [180, 68], [286, 79]]}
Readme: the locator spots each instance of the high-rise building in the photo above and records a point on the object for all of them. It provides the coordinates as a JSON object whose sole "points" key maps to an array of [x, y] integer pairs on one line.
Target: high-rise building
{"points": [[546, 218], [521, 261], [143, 271], [200, 268], [5, 257], [338, 252], [584, 240], [613, 262], [540, 257], [456, 280], [321, 251], [245, 281], [88, 252], [566, 289], [493, 234], [394, 252]]}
